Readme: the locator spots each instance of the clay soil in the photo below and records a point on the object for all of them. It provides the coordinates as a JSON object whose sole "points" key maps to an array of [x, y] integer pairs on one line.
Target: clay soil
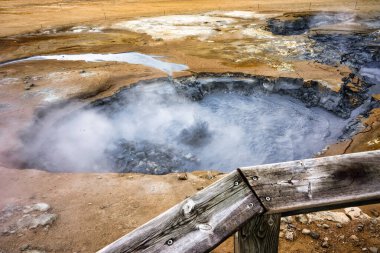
{"points": [[96, 209]]}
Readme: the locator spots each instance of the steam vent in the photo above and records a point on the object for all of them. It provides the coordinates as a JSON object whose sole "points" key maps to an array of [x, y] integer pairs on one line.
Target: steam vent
{"points": [[237, 113]]}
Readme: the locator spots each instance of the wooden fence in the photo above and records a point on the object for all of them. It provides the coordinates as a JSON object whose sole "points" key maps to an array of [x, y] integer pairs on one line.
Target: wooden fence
{"points": [[251, 201]]}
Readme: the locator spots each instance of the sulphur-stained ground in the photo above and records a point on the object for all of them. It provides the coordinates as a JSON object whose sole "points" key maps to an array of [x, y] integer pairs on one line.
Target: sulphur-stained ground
{"points": [[87, 211]]}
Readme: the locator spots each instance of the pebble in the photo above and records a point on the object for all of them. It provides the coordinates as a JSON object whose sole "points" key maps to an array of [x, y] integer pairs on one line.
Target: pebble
{"points": [[41, 207], [289, 235], [355, 213], [314, 235], [301, 218], [182, 176], [325, 244], [373, 249], [325, 226], [341, 237], [287, 220], [339, 225], [360, 227], [28, 86], [24, 247], [354, 238], [328, 216], [306, 231], [30, 222]]}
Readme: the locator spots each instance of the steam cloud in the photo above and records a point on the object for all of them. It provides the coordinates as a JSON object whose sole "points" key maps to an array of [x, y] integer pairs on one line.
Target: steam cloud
{"points": [[150, 128]]}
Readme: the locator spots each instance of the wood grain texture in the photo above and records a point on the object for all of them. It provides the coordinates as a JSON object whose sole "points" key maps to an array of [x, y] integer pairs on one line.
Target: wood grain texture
{"points": [[319, 183], [259, 235], [198, 224]]}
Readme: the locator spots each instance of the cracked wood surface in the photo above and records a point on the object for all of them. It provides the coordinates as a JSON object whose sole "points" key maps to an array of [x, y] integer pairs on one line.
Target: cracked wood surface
{"points": [[317, 184], [259, 235], [198, 224]]}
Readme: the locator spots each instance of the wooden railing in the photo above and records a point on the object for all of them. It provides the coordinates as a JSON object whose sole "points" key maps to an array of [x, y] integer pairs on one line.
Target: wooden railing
{"points": [[251, 201]]}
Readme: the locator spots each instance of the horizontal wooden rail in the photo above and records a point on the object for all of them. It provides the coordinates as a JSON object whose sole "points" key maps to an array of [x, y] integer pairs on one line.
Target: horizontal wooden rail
{"points": [[316, 184], [203, 221], [198, 224]]}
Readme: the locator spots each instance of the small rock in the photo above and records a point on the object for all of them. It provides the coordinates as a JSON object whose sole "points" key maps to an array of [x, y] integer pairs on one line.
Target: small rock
{"points": [[341, 237], [182, 176], [364, 249], [373, 249], [44, 220], [301, 218], [209, 175], [360, 227], [339, 225], [326, 239], [288, 219], [325, 226], [314, 235], [306, 231], [24, 247], [325, 244], [29, 221], [281, 234], [41, 207], [200, 188], [355, 213], [328, 216], [5, 231], [28, 86], [289, 235], [354, 238]]}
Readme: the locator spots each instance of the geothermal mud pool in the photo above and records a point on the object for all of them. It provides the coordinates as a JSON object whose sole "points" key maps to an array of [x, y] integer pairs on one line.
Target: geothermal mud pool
{"points": [[162, 126]]}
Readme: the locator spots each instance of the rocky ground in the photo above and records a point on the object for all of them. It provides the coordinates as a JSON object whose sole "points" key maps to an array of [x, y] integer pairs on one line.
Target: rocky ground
{"points": [[66, 212], [82, 212]]}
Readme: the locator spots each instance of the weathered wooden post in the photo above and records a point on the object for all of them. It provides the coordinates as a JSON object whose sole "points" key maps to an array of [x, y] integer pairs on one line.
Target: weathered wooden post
{"points": [[259, 235]]}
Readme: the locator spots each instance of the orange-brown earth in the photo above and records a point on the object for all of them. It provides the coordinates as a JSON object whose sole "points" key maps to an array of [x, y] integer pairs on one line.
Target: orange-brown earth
{"points": [[95, 209]]}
